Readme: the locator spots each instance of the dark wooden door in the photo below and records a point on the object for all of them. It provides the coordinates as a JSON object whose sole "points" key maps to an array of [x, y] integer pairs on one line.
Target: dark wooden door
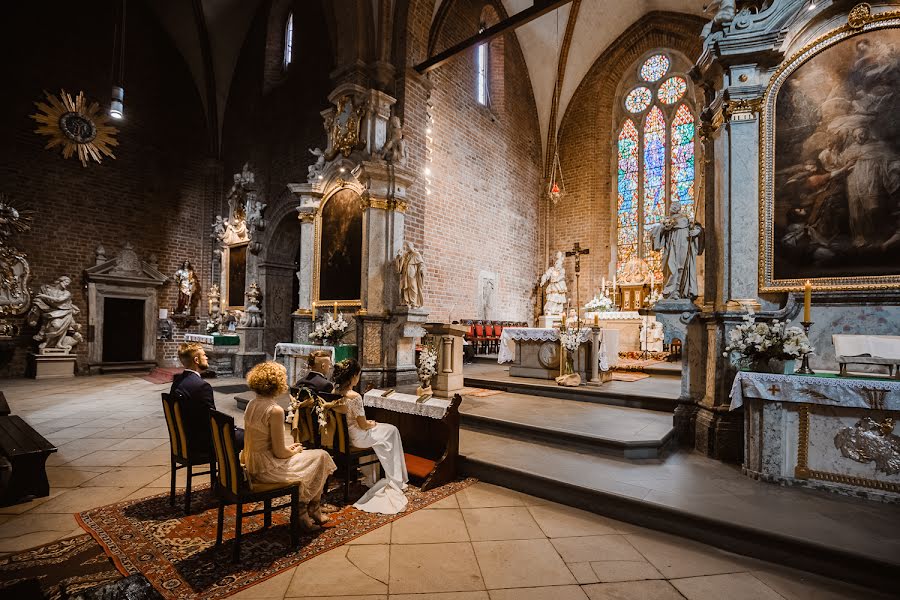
{"points": [[123, 329]]}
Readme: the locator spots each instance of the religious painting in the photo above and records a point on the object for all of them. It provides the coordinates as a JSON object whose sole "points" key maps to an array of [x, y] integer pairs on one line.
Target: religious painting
{"points": [[237, 275], [831, 165], [340, 248]]}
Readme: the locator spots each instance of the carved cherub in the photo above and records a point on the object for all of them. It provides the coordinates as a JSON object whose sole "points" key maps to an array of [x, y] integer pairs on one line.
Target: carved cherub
{"points": [[315, 170]]}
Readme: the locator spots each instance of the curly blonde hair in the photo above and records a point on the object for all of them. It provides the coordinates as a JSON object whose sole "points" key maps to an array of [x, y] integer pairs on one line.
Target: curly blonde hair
{"points": [[268, 379]]}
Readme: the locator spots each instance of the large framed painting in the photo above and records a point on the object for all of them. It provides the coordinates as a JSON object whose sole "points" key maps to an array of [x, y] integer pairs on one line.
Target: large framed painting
{"points": [[339, 229], [235, 276], [830, 165]]}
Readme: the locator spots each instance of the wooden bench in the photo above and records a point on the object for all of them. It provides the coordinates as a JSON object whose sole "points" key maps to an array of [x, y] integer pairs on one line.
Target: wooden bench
{"points": [[4, 405], [27, 451]]}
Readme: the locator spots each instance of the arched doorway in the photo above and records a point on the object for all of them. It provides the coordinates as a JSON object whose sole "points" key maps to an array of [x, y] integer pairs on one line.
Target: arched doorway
{"points": [[278, 265]]}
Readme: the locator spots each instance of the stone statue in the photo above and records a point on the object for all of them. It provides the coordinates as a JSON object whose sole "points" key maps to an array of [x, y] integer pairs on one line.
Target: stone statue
{"points": [[411, 268], [394, 149], [313, 171], [556, 288], [100, 254], [218, 228], [681, 242], [252, 316], [254, 213], [54, 310], [188, 289], [725, 11]]}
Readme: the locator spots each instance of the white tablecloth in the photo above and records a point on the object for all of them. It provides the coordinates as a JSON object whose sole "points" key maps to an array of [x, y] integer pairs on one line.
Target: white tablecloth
{"points": [[832, 391], [434, 408], [510, 335]]}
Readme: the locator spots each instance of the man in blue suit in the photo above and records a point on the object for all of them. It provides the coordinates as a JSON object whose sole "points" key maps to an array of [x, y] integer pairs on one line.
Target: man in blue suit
{"points": [[198, 398]]}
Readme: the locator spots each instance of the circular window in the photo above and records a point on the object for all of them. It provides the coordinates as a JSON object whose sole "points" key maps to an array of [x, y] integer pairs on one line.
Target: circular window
{"points": [[671, 90], [654, 67], [638, 99]]}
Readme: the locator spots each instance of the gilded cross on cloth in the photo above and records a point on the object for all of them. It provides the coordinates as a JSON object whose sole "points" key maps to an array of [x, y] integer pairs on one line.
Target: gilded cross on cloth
{"points": [[774, 389]]}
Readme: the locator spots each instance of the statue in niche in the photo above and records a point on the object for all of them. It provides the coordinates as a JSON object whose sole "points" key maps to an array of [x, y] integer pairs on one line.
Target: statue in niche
{"points": [[411, 268], [252, 316], [53, 309], [555, 278], [681, 242], [314, 171], [243, 182], [188, 289], [394, 149]]}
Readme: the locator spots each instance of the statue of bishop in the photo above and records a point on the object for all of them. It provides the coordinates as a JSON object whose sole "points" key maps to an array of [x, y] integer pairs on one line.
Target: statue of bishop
{"points": [[556, 288]]}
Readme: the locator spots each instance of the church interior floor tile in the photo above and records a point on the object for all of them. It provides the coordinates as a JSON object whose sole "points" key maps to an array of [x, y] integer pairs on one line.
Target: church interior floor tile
{"points": [[485, 543]]}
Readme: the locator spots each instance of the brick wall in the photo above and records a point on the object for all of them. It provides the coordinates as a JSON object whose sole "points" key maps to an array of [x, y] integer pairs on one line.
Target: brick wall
{"points": [[586, 215], [483, 211], [151, 195]]}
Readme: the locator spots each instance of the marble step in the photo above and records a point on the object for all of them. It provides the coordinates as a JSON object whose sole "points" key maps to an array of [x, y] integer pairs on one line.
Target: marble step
{"points": [[691, 496], [659, 394], [595, 428]]}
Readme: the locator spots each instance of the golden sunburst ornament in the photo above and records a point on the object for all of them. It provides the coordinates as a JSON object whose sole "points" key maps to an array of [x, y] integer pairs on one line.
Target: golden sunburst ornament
{"points": [[75, 126]]}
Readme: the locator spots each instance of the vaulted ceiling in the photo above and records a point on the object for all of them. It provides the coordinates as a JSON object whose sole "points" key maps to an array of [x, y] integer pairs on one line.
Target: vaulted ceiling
{"points": [[597, 25]]}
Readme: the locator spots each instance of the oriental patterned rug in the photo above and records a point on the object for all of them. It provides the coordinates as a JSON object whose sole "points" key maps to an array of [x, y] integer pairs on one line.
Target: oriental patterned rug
{"points": [[161, 374], [55, 571], [177, 553]]}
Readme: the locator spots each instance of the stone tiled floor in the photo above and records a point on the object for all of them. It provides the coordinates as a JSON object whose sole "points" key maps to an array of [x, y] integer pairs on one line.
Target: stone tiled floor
{"points": [[484, 543]]}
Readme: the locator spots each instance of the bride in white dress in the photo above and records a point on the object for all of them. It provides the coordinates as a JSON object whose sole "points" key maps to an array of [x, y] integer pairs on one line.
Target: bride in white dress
{"points": [[386, 495]]}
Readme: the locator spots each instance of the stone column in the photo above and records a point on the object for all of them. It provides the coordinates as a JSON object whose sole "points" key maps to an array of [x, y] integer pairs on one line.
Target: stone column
{"points": [[307, 219]]}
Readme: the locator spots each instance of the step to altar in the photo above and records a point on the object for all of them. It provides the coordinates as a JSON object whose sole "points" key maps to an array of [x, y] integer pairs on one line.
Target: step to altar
{"points": [[657, 392], [585, 426], [692, 496]]}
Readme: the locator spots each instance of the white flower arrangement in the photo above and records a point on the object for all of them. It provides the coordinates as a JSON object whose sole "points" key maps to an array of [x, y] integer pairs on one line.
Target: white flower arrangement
{"points": [[427, 365], [655, 296], [569, 338], [599, 304], [330, 331], [762, 341]]}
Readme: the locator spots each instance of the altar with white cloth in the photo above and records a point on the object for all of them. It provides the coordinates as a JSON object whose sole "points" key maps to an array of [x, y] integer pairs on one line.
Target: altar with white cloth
{"points": [[822, 431], [293, 357], [629, 323], [535, 351]]}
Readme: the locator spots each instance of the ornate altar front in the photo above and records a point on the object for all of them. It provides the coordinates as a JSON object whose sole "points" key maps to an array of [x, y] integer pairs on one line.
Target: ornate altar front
{"points": [[535, 351], [836, 433]]}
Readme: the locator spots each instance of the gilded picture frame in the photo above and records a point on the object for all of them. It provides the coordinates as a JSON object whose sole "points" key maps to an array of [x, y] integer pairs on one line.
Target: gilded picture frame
{"points": [[817, 222], [332, 284]]}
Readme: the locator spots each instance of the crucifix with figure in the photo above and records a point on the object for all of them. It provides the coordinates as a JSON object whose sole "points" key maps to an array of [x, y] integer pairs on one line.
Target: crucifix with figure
{"points": [[577, 251]]}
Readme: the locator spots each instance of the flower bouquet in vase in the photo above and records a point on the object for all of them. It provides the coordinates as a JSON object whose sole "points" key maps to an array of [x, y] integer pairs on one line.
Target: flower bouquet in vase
{"points": [[766, 347], [427, 369], [569, 340], [330, 330]]}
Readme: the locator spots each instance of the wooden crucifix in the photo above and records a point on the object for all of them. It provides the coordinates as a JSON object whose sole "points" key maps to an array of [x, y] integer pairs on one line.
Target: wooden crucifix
{"points": [[577, 251]]}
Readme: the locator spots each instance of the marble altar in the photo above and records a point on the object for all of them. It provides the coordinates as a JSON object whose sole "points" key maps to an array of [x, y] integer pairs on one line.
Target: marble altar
{"points": [[627, 322], [534, 351], [828, 432]]}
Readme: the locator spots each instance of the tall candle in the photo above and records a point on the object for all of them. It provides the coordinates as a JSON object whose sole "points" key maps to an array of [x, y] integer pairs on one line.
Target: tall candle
{"points": [[603, 287], [335, 310], [807, 301]]}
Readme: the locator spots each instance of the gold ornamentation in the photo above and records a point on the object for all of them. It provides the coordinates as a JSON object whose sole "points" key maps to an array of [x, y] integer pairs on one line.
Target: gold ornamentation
{"points": [[15, 272], [79, 128], [386, 204], [742, 105], [884, 486], [343, 128], [767, 282], [372, 343], [801, 471], [307, 217], [859, 16]]}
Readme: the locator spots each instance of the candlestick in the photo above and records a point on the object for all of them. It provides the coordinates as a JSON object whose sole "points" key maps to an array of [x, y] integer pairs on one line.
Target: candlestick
{"points": [[603, 287], [335, 310], [807, 301], [804, 364], [596, 320]]}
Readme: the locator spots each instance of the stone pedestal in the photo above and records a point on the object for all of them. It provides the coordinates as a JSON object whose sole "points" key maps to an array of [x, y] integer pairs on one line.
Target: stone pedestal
{"points": [[549, 321], [449, 342], [51, 366], [250, 351]]}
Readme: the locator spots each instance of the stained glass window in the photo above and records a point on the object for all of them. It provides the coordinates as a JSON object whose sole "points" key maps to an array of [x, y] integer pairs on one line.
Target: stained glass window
{"points": [[655, 159], [638, 100], [654, 67], [626, 207], [671, 90], [683, 160]]}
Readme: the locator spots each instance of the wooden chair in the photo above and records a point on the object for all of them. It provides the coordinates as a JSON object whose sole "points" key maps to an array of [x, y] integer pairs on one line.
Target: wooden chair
{"points": [[348, 457], [308, 415], [183, 457], [231, 487]]}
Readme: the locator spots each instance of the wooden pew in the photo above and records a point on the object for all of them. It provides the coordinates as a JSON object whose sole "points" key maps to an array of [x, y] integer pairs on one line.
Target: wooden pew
{"points": [[27, 451], [4, 405]]}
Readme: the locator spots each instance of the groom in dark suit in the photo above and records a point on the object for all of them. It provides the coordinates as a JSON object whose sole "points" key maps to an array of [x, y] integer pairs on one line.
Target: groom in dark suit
{"points": [[198, 398], [319, 364]]}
